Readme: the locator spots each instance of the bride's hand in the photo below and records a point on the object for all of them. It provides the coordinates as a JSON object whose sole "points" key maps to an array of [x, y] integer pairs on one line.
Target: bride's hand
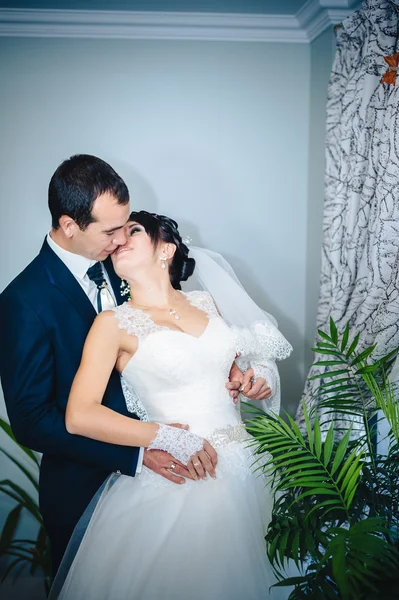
{"points": [[188, 448], [203, 462]]}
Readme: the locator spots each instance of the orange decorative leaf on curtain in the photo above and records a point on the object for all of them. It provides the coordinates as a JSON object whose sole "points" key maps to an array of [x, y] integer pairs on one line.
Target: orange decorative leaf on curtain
{"points": [[393, 62]]}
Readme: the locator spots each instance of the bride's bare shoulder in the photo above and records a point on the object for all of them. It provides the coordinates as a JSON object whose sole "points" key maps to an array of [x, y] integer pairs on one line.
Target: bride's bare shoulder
{"points": [[106, 320]]}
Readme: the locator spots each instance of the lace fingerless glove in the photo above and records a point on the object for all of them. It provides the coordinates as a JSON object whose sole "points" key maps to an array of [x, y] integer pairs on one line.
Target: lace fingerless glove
{"points": [[180, 443]]}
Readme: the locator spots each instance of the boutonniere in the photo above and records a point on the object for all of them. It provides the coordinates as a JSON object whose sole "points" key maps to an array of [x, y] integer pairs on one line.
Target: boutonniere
{"points": [[125, 289], [393, 62]]}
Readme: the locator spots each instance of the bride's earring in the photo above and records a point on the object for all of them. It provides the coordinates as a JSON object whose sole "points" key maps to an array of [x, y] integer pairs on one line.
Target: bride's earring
{"points": [[125, 288], [163, 260]]}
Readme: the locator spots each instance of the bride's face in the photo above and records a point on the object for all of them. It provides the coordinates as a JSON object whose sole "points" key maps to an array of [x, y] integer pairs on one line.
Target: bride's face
{"points": [[138, 253]]}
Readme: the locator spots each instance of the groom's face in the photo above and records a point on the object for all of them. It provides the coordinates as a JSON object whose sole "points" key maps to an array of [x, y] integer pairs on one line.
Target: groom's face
{"points": [[107, 231]]}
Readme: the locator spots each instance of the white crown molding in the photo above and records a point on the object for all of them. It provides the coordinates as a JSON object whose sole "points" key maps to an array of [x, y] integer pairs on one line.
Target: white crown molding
{"points": [[314, 17], [149, 25], [339, 3]]}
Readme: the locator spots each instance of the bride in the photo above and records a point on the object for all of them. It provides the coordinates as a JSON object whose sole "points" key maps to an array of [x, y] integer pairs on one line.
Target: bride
{"points": [[145, 538]]}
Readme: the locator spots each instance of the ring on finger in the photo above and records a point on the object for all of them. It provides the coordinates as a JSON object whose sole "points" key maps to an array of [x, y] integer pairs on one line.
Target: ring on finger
{"points": [[196, 464], [172, 466]]}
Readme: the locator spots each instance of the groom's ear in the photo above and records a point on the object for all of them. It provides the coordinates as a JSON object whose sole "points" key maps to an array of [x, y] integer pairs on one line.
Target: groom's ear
{"points": [[68, 226]]}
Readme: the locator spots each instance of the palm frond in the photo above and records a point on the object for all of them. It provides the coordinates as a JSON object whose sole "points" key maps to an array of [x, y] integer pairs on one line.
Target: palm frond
{"points": [[32, 478], [16, 492], [360, 555], [336, 510], [34, 554], [7, 429], [305, 463]]}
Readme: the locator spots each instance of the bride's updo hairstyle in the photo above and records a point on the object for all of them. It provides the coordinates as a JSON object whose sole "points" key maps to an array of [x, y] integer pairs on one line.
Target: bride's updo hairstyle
{"points": [[164, 229]]}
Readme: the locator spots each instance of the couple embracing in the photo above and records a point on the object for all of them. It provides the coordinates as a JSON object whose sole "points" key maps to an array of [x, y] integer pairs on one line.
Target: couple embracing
{"points": [[129, 386]]}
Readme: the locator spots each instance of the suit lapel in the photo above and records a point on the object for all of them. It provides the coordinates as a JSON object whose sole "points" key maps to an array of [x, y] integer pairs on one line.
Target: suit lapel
{"points": [[61, 277], [115, 281]]}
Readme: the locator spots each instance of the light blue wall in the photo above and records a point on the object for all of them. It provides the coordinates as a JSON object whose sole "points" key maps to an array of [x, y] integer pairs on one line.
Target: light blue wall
{"points": [[214, 134], [321, 59]]}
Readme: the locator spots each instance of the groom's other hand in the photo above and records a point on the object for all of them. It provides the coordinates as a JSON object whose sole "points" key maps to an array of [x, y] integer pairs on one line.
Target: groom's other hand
{"points": [[259, 390], [236, 377], [241, 383], [165, 464]]}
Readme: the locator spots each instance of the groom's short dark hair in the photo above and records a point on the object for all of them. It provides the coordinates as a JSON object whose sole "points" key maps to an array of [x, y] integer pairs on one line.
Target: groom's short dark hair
{"points": [[76, 184]]}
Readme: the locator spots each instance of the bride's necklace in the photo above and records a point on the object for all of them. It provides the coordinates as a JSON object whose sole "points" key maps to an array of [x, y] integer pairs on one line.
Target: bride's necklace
{"points": [[172, 311]]}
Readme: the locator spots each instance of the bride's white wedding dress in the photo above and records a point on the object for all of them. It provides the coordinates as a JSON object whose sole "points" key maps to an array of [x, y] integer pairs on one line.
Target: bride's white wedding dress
{"points": [[150, 539]]}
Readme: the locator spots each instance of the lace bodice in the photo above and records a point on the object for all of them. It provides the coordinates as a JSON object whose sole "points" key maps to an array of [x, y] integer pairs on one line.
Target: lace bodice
{"points": [[139, 323], [176, 377]]}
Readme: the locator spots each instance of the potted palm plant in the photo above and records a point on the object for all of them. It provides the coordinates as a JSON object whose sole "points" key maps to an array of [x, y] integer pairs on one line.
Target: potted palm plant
{"points": [[336, 509], [23, 553]]}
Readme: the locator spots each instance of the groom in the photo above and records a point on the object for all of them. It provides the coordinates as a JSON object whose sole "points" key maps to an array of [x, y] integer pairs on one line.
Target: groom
{"points": [[45, 316]]}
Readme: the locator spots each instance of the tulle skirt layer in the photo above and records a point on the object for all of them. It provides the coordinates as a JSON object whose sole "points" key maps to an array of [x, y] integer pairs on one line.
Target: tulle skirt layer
{"points": [[145, 538]]}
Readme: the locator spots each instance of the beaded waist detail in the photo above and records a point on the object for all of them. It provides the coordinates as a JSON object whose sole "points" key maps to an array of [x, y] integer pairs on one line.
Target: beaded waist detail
{"points": [[232, 434]]}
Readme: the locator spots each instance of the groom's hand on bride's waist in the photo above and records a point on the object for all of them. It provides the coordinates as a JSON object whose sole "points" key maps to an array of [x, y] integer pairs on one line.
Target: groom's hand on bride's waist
{"points": [[165, 464]]}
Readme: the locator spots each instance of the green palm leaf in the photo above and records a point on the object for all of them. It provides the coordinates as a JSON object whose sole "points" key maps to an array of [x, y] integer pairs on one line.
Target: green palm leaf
{"points": [[12, 566], [353, 346], [345, 338], [357, 553], [10, 527], [7, 429], [311, 473], [17, 493], [32, 553], [333, 331], [25, 471]]}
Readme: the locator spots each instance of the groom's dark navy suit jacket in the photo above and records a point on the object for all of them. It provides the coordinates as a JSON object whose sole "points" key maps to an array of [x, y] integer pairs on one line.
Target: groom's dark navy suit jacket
{"points": [[44, 318]]}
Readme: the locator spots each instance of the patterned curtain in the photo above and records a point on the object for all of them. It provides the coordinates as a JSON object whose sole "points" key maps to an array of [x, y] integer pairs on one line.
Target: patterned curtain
{"points": [[360, 251]]}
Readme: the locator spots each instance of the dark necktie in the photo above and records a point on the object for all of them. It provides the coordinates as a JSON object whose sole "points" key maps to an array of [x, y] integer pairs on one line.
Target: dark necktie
{"points": [[96, 274]]}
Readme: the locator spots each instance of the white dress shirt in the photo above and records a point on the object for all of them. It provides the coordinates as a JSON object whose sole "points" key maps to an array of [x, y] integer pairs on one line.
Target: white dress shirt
{"points": [[78, 266]]}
